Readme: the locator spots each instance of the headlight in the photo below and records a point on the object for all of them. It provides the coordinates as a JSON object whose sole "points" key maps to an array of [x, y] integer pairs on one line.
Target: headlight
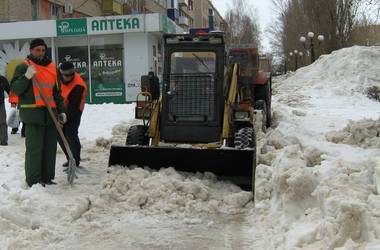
{"points": [[241, 115]]}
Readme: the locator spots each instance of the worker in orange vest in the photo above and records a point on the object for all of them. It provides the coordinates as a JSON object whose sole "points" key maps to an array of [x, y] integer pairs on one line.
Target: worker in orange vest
{"points": [[41, 134], [74, 91]]}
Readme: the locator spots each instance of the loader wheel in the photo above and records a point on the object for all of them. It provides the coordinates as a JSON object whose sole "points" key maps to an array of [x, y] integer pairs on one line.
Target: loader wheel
{"points": [[264, 92], [245, 138], [137, 135]]}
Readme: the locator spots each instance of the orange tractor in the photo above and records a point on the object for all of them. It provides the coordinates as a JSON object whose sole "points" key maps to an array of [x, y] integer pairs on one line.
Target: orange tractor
{"points": [[254, 79]]}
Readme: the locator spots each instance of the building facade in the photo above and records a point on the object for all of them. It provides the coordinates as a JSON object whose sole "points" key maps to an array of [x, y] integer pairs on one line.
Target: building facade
{"points": [[206, 15], [111, 53], [185, 13], [26, 10]]}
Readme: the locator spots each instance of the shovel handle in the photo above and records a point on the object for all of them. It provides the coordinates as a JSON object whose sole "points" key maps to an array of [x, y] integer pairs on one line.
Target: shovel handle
{"points": [[55, 121]]}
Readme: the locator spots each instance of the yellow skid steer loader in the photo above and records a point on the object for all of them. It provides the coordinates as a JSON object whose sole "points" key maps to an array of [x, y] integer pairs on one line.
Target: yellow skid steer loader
{"points": [[200, 123]]}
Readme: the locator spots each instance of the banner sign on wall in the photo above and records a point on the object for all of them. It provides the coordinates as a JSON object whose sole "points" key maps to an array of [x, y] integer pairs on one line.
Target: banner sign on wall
{"points": [[107, 74], [99, 25], [71, 27]]}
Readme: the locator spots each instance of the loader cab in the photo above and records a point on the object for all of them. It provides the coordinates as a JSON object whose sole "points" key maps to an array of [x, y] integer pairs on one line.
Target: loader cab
{"points": [[192, 95]]}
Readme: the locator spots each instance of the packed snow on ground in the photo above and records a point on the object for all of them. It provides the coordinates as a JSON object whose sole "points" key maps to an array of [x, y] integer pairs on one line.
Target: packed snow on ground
{"points": [[317, 179]]}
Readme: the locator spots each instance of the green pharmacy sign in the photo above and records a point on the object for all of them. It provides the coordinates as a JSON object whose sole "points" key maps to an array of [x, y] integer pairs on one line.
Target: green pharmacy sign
{"points": [[71, 27], [107, 73], [115, 24]]}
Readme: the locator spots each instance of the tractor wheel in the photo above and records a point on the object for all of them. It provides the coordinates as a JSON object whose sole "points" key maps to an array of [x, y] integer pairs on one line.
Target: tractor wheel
{"points": [[263, 92], [261, 105], [245, 138], [137, 135]]}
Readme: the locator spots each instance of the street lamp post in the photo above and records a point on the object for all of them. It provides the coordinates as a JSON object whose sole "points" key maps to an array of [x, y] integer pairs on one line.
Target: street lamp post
{"points": [[296, 54], [310, 46]]}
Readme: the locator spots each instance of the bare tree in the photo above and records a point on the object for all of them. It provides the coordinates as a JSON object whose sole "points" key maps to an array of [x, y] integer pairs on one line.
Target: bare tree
{"points": [[242, 25], [335, 19]]}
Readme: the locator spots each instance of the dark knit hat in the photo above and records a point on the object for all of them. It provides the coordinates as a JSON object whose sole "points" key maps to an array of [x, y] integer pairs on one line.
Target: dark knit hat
{"points": [[37, 42], [66, 68]]}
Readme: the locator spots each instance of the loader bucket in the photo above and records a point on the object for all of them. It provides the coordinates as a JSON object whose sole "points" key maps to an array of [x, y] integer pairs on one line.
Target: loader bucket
{"points": [[237, 166]]}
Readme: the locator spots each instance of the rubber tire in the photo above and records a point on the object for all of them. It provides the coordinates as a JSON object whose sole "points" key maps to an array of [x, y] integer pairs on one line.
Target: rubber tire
{"points": [[263, 92], [245, 138], [137, 135]]}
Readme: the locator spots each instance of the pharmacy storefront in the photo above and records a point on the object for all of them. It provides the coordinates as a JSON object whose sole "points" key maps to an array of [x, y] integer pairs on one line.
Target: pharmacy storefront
{"points": [[111, 53]]}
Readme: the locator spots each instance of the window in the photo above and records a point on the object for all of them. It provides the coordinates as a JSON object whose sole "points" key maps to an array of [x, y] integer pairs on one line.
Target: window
{"points": [[35, 9], [239, 57], [193, 62], [55, 10], [193, 87], [190, 5]]}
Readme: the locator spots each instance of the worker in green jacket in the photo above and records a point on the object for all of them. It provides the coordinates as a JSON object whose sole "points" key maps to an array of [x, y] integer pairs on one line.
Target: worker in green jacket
{"points": [[40, 133]]}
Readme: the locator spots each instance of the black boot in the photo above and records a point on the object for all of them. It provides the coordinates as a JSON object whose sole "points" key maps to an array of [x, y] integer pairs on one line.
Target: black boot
{"points": [[14, 131], [23, 130]]}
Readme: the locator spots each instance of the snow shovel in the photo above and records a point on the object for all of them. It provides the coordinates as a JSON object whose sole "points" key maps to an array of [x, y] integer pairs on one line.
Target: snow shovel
{"points": [[72, 165]]}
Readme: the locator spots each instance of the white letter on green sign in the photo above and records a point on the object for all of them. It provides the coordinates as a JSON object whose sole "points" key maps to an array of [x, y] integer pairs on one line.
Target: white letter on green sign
{"points": [[95, 25], [135, 23]]}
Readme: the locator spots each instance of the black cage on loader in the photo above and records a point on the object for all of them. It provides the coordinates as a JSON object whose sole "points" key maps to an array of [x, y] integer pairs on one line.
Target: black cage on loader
{"points": [[199, 106]]}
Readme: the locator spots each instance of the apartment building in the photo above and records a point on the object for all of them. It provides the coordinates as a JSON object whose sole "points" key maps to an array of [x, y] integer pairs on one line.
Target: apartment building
{"points": [[26, 10], [181, 11], [177, 10], [206, 15], [186, 13], [15, 10]]}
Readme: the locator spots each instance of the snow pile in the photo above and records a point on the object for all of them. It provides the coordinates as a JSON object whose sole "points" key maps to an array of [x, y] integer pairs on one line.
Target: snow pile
{"points": [[314, 199], [346, 72], [363, 133], [343, 194], [320, 195], [168, 192], [119, 136]]}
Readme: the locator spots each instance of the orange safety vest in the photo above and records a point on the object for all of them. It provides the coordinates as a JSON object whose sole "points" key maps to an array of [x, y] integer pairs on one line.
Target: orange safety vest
{"points": [[46, 76], [66, 90], [13, 98]]}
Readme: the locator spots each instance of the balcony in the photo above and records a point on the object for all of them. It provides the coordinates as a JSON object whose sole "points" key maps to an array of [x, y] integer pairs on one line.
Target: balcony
{"points": [[173, 14], [184, 21], [183, 3], [112, 7]]}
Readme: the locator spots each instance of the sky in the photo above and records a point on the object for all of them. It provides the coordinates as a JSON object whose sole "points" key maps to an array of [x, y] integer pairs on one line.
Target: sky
{"points": [[263, 7]]}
